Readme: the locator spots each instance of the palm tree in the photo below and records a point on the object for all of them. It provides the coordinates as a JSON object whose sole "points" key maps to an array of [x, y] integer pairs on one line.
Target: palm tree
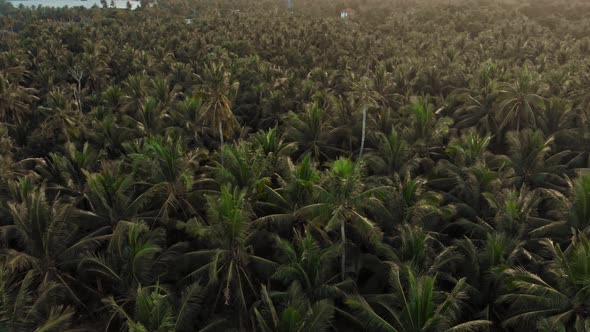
{"points": [[16, 101], [555, 116], [532, 161], [61, 116], [134, 256], [186, 115], [342, 200], [393, 155], [295, 313], [274, 147], [557, 294], [519, 102], [410, 201], [219, 92], [310, 266], [166, 170], [159, 310], [49, 238], [278, 206], [244, 168], [570, 210], [477, 104], [414, 304], [134, 88], [309, 128], [422, 251], [67, 170], [579, 214], [425, 129], [231, 264], [364, 90], [163, 92], [483, 264], [518, 212], [26, 305], [111, 193], [110, 133]]}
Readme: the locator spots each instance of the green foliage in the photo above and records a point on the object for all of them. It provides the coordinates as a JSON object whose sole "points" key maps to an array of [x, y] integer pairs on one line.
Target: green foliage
{"points": [[234, 166]]}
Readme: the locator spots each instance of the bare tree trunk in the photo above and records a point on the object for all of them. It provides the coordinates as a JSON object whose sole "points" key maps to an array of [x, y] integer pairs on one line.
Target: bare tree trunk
{"points": [[77, 74], [221, 141], [364, 130], [79, 95], [343, 262]]}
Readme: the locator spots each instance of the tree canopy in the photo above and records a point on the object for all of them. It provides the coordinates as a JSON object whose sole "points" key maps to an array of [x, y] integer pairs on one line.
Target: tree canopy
{"points": [[235, 165]]}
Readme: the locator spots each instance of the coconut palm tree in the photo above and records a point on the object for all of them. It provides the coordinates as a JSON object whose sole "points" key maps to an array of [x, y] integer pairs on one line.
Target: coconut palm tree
{"points": [[48, 237], [279, 206], [557, 293], [393, 155], [532, 161], [519, 101], [342, 201], [26, 305], [425, 129], [16, 101], [414, 304], [310, 266], [111, 193], [364, 91], [166, 170], [231, 264], [309, 128], [219, 91], [296, 314], [156, 309], [477, 104]]}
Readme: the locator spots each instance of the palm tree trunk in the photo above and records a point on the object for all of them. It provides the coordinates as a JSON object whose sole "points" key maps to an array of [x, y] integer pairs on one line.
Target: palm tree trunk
{"points": [[343, 261], [363, 133], [221, 141]]}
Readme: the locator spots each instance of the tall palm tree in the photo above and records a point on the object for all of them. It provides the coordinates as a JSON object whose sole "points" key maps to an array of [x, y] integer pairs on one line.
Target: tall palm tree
{"points": [[518, 102], [60, 116], [244, 168], [308, 127], [16, 101], [426, 129], [364, 90], [49, 238], [166, 172], [231, 265], [414, 304], [219, 91], [26, 305], [393, 155], [112, 194], [483, 264], [579, 214], [422, 251], [557, 294], [274, 147], [134, 257], [410, 201], [477, 104], [310, 266], [532, 160], [160, 310], [278, 206], [342, 200], [295, 313]]}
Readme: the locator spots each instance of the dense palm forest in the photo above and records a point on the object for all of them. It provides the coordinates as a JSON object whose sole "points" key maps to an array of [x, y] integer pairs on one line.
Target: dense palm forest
{"points": [[188, 166]]}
